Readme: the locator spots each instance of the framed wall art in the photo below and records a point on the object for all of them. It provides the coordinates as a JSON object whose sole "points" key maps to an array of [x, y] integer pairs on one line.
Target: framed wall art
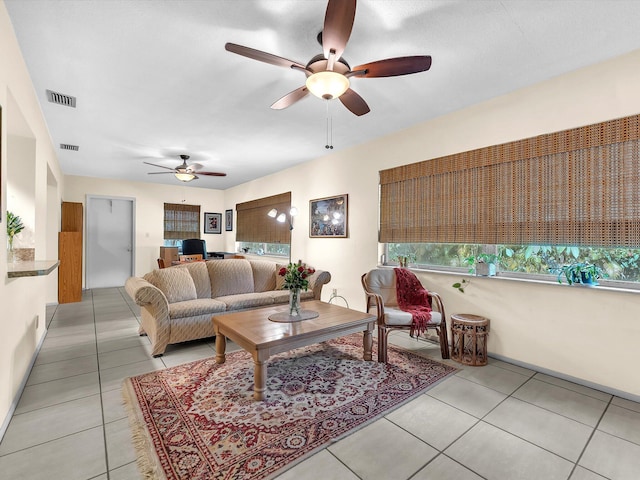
{"points": [[328, 217], [212, 222], [228, 220]]}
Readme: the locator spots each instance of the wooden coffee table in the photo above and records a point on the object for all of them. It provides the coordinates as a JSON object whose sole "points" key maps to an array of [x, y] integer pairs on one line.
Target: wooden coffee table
{"points": [[254, 332]]}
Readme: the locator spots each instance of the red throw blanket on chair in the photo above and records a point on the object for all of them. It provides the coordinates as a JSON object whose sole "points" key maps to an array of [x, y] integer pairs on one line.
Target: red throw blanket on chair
{"points": [[413, 298]]}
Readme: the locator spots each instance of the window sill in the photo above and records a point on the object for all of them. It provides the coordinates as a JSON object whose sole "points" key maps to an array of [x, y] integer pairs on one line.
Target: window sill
{"points": [[604, 285]]}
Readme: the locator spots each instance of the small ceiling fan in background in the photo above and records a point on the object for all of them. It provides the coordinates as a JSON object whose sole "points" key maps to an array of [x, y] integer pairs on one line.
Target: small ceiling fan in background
{"points": [[184, 172], [328, 73]]}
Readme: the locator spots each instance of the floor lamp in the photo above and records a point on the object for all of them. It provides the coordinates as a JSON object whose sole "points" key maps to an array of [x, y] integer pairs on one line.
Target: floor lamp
{"points": [[282, 218]]}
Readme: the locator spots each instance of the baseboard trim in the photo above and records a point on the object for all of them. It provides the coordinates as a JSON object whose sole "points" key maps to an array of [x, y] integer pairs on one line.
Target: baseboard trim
{"points": [[553, 373], [16, 398], [569, 378]]}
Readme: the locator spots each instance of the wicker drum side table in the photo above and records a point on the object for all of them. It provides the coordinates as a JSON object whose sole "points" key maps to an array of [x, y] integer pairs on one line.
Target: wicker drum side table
{"points": [[469, 339]]}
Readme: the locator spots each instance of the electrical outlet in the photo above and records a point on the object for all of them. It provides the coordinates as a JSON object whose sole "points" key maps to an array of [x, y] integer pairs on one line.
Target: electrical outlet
{"points": [[335, 292]]}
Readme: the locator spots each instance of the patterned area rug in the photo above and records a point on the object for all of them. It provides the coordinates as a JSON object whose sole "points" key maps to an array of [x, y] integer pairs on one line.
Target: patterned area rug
{"points": [[199, 420]]}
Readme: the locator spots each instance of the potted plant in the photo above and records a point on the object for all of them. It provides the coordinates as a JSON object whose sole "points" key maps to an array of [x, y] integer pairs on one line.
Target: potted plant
{"points": [[403, 260], [483, 264], [14, 227], [583, 273]]}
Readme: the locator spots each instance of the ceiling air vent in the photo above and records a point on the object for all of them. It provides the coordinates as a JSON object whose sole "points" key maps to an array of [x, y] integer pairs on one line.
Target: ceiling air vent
{"points": [[66, 146], [61, 99]]}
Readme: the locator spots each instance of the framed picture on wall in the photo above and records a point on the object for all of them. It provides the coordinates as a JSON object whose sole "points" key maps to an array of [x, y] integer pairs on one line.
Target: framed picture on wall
{"points": [[228, 220], [328, 217], [212, 223]]}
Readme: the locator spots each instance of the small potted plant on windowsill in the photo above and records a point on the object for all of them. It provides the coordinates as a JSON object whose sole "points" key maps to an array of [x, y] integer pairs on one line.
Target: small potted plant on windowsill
{"points": [[582, 273], [483, 264], [403, 260]]}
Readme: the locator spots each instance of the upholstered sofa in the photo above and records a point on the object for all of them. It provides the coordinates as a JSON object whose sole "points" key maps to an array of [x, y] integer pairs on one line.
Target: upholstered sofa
{"points": [[177, 303]]}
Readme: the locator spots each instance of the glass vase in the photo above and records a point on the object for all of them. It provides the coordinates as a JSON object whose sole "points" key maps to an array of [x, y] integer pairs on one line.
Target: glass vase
{"points": [[10, 252], [294, 302]]}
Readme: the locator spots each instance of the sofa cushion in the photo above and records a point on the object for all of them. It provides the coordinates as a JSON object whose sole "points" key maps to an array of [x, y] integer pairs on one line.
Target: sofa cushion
{"points": [[246, 300], [280, 278], [176, 284], [200, 275], [192, 308], [264, 275], [282, 296], [229, 277]]}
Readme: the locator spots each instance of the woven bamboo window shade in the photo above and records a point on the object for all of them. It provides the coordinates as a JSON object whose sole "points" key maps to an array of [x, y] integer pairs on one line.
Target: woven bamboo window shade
{"points": [[576, 187], [181, 221], [254, 225]]}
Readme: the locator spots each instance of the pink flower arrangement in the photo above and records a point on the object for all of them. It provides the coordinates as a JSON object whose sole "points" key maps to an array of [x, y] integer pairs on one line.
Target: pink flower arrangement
{"points": [[296, 276]]}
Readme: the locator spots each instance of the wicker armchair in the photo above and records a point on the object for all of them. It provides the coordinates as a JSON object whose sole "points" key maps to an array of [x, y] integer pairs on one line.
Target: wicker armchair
{"points": [[380, 290]]}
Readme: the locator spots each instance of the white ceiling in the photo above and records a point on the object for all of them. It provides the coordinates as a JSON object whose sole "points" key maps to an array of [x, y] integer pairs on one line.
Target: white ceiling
{"points": [[153, 80]]}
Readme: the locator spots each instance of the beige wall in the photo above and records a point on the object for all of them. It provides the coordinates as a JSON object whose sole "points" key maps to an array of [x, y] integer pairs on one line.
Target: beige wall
{"points": [[583, 333], [23, 300]]}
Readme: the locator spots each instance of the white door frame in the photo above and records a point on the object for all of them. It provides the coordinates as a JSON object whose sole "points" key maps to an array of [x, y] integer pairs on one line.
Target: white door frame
{"points": [[88, 242]]}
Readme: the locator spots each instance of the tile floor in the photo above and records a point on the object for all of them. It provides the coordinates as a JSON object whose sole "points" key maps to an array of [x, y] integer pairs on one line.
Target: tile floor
{"points": [[498, 422]]}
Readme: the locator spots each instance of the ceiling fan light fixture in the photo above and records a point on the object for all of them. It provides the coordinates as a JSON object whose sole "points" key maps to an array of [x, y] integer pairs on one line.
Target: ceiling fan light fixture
{"points": [[327, 84], [185, 177]]}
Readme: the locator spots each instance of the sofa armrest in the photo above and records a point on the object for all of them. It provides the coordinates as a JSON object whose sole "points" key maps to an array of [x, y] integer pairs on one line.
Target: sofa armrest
{"points": [[317, 281], [144, 293], [152, 299]]}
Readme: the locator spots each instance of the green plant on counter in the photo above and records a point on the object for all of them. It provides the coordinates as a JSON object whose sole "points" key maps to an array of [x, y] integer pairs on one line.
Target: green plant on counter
{"points": [[14, 227]]}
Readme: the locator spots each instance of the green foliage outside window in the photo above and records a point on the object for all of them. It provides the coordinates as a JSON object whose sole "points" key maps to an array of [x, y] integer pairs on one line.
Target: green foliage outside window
{"points": [[621, 264], [278, 249]]}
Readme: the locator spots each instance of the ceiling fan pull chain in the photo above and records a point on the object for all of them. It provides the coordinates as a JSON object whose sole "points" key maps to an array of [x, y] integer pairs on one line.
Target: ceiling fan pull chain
{"points": [[329, 145]]}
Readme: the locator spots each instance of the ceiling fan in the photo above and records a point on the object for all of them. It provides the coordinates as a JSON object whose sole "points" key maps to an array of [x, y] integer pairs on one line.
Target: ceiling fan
{"points": [[184, 172], [328, 73]]}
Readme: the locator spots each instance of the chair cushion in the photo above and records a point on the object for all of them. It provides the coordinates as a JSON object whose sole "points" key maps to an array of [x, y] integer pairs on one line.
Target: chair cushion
{"points": [[176, 284], [383, 282], [397, 317]]}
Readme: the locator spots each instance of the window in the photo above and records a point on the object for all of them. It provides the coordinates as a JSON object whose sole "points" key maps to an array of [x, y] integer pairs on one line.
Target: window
{"points": [[181, 221], [577, 187], [276, 249], [254, 226], [551, 199]]}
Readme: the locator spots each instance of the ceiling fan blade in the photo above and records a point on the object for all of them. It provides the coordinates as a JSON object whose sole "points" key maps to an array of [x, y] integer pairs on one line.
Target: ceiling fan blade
{"points": [[158, 173], [211, 174], [354, 102], [393, 67], [262, 56], [338, 22], [291, 98], [160, 166]]}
